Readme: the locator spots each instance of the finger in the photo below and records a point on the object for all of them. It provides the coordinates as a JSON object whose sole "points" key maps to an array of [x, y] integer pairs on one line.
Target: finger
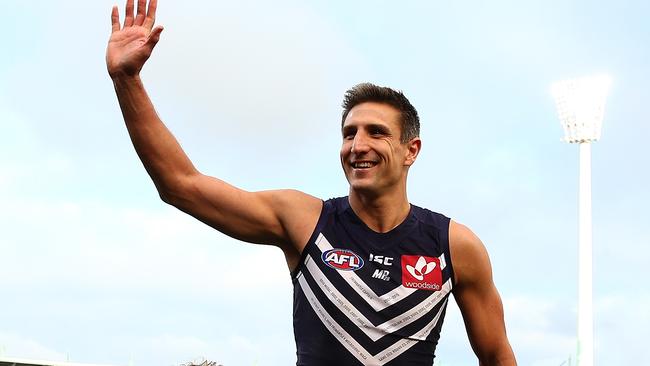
{"points": [[128, 14], [115, 19], [139, 18], [154, 36], [151, 14]]}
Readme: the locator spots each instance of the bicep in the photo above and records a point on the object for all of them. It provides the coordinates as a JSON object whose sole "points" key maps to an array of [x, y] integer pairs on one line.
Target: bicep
{"points": [[265, 217], [478, 298]]}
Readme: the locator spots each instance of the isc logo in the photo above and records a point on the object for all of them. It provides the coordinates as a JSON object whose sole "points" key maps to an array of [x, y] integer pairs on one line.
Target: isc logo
{"points": [[343, 259]]}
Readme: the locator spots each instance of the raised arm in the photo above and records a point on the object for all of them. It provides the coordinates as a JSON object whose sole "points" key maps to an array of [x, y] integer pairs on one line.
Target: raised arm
{"points": [[284, 218], [478, 298]]}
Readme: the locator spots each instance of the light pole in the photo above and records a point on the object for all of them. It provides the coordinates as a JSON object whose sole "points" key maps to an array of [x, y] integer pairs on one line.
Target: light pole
{"points": [[580, 104]]}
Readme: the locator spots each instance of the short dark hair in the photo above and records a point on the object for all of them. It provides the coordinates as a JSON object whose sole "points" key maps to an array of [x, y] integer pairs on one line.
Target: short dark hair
{"points": [[367, 92]]}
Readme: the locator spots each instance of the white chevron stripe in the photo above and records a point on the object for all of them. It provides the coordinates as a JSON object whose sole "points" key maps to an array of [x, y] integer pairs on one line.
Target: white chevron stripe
{"points": [[403, 345], [352, 345], [359, 319], [337, 331], [377, 302], [341, 302], [416, 313]]}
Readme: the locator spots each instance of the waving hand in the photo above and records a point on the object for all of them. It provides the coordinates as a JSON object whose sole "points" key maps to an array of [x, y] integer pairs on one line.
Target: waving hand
{"points": [[131, 45]]}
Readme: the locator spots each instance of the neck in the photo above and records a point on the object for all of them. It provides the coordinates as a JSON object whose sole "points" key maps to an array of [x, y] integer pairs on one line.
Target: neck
{"points": [[380, 213]]}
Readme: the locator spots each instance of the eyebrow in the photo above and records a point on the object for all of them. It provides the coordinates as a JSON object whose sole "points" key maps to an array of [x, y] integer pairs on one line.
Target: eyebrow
{"points": [[381, 127], [348, 129]]}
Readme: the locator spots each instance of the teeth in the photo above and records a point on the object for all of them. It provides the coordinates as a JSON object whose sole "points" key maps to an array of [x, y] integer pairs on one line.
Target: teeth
{"points": [[364, 164]]}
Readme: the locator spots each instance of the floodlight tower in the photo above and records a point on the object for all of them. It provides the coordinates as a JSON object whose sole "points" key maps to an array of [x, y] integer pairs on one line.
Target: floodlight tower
{"points": [[580, 104]]}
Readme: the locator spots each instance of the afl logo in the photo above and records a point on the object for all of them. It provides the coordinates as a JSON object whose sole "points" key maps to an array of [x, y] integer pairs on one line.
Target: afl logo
{"points": [[342, 259]]}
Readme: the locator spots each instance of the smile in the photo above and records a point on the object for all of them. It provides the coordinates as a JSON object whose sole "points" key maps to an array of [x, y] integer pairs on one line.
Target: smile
{"points": [[363, 164]]}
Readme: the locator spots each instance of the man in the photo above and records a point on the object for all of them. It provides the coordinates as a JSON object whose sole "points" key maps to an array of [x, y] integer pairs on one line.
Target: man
{"points": [[371, 272]]}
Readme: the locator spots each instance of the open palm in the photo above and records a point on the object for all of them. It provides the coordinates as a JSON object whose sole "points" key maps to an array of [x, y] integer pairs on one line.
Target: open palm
{"points": [[131, 45]]}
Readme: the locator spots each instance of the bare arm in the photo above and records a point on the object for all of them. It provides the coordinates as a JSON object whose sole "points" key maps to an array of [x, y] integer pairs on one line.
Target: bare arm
{"points": [[478, 298], [284, 218]]}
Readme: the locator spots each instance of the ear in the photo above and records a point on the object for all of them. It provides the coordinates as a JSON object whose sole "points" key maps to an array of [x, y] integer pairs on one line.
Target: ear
{"points": [[412, 150]]}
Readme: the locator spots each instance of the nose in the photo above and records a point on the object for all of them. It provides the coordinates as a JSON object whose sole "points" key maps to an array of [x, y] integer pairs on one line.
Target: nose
{"points": [[360, 144]]}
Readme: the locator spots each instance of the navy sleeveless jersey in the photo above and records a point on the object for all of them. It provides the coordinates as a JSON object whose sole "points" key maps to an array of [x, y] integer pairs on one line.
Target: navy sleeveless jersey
{"points": [[368, 298]]}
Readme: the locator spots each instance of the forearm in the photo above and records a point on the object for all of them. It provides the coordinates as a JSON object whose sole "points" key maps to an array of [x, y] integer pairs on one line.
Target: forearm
{"points": [[507, 358], [159, 151], [489, 340]]}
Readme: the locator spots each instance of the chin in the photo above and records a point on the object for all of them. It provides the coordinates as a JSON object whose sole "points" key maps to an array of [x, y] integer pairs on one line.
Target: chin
{"points": [[363, 187]]}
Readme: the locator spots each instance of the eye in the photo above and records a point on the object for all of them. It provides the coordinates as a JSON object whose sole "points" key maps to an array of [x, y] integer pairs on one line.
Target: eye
{"points": [[348, 134], [377, 131]]}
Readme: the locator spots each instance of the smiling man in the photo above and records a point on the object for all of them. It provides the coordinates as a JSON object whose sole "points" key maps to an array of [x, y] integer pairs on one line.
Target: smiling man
{"points": [[372, 273]]}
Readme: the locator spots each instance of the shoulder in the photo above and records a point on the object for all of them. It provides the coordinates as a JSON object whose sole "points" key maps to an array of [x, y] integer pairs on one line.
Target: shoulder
{"points": [[295, 207], [288, 198], [469, 257], [337, 204], [298, 214], [431, 218]]}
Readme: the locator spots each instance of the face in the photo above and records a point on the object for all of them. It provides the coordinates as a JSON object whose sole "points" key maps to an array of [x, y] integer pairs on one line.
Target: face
{"points": [[372, 156]]}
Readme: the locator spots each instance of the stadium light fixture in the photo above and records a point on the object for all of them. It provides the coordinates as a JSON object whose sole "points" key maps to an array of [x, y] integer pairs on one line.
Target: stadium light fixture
{"points": [[581, 105]]}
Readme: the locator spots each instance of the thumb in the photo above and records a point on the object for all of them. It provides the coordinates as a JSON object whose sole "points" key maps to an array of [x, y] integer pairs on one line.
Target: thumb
{"points": [[154, 36]]}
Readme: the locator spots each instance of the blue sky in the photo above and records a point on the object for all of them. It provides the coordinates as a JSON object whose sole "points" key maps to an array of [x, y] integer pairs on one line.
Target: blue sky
{"points": [[95, 268]]}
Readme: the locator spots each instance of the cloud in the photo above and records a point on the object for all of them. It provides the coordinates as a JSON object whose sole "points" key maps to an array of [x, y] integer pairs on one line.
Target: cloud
{"points": [[621, 327], [17, 346], [226, 349], [540, 329], [128, 248], [536, 329], [543, 330], [257, 69], [175, 288]]}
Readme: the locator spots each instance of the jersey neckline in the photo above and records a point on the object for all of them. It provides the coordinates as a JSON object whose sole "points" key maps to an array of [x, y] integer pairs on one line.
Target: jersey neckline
{"points": [[381, 241]]}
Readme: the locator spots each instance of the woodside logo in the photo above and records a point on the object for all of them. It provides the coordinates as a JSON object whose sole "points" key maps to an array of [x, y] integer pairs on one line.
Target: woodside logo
{"points": [[421, 272], [343, 259]]}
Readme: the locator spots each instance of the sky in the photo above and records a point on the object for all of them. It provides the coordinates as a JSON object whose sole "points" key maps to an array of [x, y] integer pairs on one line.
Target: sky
{"points": [[95, 268]]}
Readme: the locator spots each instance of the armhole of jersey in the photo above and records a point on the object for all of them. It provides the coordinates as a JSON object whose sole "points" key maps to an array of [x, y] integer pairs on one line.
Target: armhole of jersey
{"points": [[319, 226], [452, 276]]}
